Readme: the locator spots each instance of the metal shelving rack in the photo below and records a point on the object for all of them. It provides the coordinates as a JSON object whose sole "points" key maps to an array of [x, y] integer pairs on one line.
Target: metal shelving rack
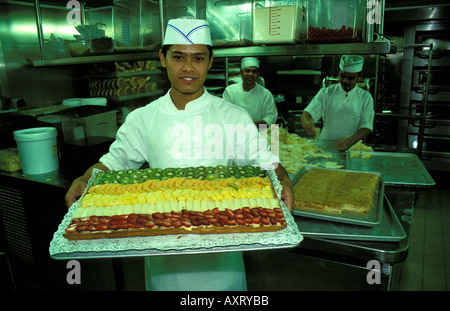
{"points": [[369, 48], [268, 50], [410, 116]]}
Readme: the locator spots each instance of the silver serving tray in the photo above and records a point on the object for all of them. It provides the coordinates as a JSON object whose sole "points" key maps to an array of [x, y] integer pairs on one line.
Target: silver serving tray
{"points": [[389, 230], [398, 169], [372, 218], [62, 249]]}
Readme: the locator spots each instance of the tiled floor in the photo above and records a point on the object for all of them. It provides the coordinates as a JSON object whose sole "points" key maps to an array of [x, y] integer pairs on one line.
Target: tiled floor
{"points": [[427, 267]]}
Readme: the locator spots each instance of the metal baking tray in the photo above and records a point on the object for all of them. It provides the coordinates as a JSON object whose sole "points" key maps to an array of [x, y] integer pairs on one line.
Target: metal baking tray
{"points": [[389, 230], [398, 169], [372, 218]]}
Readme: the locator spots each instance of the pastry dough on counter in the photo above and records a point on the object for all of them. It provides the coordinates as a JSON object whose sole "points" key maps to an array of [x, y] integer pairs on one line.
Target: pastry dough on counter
{"points": [[296, 152], [357, 150]]}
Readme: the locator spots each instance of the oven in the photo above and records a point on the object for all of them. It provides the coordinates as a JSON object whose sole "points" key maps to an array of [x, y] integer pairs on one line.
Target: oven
{"points": [[436, 131]]}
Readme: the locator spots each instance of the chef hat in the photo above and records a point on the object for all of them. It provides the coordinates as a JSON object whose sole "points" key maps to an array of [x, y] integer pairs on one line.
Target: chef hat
{"points": [[187, 30], [351, 63], [249, 62]]}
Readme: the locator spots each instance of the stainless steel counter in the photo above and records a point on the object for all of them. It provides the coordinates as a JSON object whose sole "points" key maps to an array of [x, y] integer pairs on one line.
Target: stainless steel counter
{"points": [[55, 178], [387, 252], [357, 251]]}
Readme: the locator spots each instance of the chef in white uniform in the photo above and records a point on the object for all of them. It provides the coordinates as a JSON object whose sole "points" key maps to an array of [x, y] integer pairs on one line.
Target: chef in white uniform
{"points": [[188, 127], [346, 109], [250, 95]]}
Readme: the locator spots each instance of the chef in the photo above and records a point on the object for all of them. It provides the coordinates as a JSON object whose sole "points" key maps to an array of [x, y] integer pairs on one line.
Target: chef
{"points": [[346, 109], [250, 95], [171, 132]]}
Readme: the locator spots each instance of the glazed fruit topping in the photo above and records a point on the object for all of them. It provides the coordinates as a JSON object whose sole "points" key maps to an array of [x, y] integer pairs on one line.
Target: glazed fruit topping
{"points": [[239, 217]]}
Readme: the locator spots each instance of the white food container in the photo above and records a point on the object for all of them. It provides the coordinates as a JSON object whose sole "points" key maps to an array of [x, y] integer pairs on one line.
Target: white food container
{"points": [[280, 24]]}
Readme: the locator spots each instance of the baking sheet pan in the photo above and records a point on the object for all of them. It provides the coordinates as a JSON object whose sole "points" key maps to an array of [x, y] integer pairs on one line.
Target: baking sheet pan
{"points": [[372, 218], [400, 169], [389, 230], [63, 249]]}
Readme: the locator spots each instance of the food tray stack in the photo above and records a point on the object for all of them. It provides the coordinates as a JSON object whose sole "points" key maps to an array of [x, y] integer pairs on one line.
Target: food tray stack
{"points": [[124, 80]]}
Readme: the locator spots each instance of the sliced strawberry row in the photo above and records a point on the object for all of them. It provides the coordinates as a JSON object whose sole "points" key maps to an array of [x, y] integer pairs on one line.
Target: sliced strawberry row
{"points": [[239, 217]]}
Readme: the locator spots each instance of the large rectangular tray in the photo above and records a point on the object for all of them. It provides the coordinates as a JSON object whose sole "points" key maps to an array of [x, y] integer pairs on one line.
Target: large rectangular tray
{"points": [[389, 230], [63, 249], [399, 169], [372, 218]]}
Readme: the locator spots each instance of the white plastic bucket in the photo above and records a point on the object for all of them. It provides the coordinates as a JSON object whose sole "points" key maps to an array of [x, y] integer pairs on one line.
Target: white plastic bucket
{"points": [[37, 149]]}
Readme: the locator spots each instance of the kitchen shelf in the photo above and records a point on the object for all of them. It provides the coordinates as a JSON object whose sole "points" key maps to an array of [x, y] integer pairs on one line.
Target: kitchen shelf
{"points": [[123, 74], [268, 50], [96, 59], [383, 47]]}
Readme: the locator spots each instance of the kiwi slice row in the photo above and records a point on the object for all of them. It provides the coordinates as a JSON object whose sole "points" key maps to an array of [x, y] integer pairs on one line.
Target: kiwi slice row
{"points": [[132, 176]]}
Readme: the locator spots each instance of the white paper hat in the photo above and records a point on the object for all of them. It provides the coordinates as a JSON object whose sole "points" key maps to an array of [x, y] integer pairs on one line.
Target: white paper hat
{"points": [[187, 30], [351, 63], [249, 62]]}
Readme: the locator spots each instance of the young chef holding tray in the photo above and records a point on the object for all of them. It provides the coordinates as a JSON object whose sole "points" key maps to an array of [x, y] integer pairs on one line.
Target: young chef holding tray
{"points": [[254, 98], [168, 133], [346, 110]]}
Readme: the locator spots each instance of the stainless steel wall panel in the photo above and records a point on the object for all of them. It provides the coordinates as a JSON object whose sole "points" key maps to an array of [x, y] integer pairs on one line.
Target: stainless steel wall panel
{"points": [[19, 44]]}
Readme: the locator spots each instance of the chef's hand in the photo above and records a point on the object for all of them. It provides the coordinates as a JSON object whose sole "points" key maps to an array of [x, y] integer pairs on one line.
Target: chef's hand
{"points": [[75, 191], [310, 129], [308, 124], [77, 188], [287, 193], [344, 143]]}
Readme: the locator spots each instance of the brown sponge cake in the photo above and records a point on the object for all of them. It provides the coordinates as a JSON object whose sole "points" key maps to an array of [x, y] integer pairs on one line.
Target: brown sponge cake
{"points": [[334, 191]]}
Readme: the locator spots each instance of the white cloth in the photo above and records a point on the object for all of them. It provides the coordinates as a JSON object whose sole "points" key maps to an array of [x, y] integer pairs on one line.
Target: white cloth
{"points": [[258, 102], [187, 31], [351, 63], [157, 134], [196, 272], [343, 113]]}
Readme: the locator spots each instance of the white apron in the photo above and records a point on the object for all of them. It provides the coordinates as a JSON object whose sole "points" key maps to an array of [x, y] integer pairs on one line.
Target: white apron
{"points": [[180, 147], [341, 118], [258, 102]]}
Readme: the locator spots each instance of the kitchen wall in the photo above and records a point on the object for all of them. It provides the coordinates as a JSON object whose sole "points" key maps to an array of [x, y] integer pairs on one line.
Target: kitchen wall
{"points": [[39, 87]]}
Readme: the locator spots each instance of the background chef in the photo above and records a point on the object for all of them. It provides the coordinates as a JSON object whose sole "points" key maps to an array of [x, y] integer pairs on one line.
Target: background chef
{"points": [[250, 95], [346, 109], [154, 134]]}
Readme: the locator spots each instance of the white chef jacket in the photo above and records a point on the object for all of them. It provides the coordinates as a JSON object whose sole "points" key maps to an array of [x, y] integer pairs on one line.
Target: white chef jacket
{"points": [[157, 133], [258, 102], [342, 113]]}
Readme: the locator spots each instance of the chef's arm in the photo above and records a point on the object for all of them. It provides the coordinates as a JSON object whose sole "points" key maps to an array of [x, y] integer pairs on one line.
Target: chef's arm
{"points": [[345, 143], [259, 122], [308, 124], [287, 194], [79, 184]]}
